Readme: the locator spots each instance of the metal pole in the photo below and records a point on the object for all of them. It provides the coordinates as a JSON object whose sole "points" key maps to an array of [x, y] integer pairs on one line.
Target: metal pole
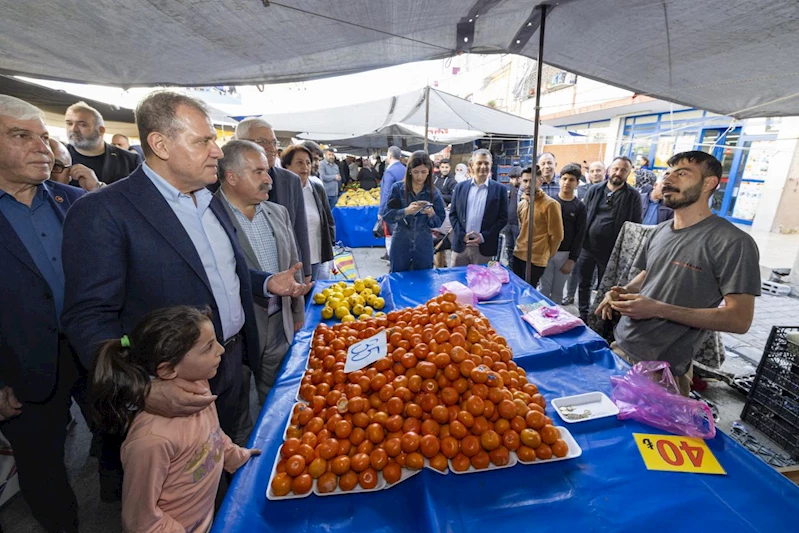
{"points": [[426, 114], [539, 74]]}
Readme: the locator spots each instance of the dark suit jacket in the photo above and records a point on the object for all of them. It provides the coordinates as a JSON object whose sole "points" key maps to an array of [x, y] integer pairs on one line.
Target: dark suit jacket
{"points": [[287, 191], [118, 163], [445, 186], [495, 216], [628, 209], [28, 321], [126, 253]]}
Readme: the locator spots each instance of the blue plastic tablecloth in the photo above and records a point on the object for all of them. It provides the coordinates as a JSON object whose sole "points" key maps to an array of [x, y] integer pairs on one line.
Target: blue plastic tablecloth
{"points": [[606, 489], [354, 226]]}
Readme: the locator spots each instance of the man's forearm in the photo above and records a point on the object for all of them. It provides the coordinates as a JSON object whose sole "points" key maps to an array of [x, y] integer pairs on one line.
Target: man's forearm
{"points": [[634, 286], [716, 319]]}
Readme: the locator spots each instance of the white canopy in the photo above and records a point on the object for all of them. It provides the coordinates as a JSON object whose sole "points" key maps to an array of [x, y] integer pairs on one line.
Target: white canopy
{"points": [[734, 58], [452, 120]]}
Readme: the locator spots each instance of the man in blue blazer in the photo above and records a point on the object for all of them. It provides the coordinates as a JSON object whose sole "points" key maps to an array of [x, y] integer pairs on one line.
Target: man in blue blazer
{"points": [[38, 368], [395, 172], [478, 212], [160, 238]]}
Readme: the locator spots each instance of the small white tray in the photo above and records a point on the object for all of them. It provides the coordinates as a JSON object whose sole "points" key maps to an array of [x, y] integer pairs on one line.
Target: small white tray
{"points": [[491, 466], [597, 403], [574, 449]]}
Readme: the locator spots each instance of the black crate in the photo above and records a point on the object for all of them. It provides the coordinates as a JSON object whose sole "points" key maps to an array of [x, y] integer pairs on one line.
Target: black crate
{"points": [[773, 402]]}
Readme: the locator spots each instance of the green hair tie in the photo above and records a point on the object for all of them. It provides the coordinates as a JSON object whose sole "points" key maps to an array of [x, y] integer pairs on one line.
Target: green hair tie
{"points": [[125, 341]]}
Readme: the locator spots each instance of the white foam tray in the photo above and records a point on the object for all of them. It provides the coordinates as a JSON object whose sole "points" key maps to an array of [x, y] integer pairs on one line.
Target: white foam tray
{"points": [[597, 402], [574, 449]]}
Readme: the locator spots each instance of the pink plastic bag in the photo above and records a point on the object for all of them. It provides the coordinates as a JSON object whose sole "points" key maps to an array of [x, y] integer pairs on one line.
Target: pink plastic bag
{"points": [[484, 283], [500, 272], [464, 294], [551, 320], [649, 394]]}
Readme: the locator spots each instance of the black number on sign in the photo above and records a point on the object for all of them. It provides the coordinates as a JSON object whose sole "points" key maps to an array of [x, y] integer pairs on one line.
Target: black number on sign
{"points": [[364, 349]]}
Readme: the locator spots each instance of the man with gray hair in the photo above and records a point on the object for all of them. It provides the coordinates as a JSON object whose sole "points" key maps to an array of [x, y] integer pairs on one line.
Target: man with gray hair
{"points": [[85, 130], [159, 239], [63, 171], [38, 367], [265, 235], [478, 212], [395, 171], [286, 185]]}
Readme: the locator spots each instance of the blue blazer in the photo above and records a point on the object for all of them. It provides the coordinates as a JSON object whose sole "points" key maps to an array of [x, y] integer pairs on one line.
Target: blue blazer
{"points": [[495, 216], [126, 253], [28, 321]]}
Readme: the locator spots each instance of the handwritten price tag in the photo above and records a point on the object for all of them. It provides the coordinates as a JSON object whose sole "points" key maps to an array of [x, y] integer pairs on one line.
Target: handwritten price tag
{"points": [[677, 454], [366, 352]]}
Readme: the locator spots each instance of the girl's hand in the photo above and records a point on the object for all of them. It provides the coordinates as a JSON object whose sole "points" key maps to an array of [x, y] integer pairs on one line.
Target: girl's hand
{"points": [[429, 211], [413, 208]]}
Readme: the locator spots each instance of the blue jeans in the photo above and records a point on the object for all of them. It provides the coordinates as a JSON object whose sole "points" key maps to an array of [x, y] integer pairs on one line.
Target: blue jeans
{"points": [[317, 271], [332, 201]]}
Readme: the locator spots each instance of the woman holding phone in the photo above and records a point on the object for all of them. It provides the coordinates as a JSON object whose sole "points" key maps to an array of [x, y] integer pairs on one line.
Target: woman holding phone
{"points": [[415, 206]]}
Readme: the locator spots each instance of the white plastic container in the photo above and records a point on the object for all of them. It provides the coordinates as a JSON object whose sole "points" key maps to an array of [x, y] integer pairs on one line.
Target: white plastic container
{"points": [[574, 449], [584, 407]]}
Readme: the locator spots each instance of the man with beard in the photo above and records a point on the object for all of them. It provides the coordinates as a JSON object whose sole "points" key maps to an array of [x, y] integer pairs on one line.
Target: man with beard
{"points": [[85, 130], [444, 182], [689, 266], [609, 205]]}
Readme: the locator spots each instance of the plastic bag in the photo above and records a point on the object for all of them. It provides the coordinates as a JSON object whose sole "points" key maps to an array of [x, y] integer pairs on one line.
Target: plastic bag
{"points": [[500, 272], [551, 320], [464, 294], [483, 282], [649, 394]]}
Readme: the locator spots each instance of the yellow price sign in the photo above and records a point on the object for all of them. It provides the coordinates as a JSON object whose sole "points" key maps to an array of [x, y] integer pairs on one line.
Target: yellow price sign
{"points": [[677, 454]]}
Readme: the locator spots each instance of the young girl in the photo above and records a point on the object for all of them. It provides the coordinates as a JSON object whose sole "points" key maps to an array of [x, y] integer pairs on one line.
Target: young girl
{"points": [[172, 465]]}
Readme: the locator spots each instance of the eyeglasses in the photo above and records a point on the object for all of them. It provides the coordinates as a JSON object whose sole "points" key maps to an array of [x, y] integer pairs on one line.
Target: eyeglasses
{"points": [[274, 143], [59, 168]]}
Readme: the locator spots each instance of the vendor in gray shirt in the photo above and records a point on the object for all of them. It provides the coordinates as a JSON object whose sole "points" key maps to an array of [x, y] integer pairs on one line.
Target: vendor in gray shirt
{"points": [[689, 266]]}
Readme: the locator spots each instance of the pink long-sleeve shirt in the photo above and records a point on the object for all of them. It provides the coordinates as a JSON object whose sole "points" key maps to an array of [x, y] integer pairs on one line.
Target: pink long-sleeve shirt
{"points": [[172, 471]]}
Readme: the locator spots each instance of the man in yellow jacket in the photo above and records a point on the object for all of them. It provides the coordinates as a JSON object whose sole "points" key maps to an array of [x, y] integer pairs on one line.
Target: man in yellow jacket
{"points": [[547, 228]]}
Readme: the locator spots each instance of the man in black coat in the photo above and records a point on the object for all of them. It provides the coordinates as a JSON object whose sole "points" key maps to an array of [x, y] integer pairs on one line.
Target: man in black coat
{"points": [[85, 130], [445, 182]]}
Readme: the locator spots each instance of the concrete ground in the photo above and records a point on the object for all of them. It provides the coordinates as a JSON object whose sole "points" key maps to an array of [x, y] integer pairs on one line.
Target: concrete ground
{"points": [[743, 355]]}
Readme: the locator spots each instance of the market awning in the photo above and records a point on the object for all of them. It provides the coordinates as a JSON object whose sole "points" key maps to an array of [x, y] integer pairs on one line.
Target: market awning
{"points": [[734, 58]]}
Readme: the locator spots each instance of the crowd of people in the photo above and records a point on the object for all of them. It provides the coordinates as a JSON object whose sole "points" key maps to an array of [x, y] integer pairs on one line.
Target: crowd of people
{"points": [[151, 284]]}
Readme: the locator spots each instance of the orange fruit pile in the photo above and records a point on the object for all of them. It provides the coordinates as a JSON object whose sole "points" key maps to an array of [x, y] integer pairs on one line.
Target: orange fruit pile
{"points": [[448, 395]]}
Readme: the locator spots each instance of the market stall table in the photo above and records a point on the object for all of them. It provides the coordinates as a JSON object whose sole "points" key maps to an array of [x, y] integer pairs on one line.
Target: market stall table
{"points": [[608, 488], [354, 226]]}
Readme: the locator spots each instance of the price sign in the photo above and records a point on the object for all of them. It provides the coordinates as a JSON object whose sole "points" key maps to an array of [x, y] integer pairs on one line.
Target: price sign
{"points": [[677, 454], [366, 352]]}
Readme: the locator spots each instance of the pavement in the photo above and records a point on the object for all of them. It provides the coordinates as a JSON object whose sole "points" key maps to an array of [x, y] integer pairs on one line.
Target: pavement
{"points": [[743, 355]]}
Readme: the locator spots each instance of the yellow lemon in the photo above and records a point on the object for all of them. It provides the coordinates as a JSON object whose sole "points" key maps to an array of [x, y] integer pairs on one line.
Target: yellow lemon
{"points": [[376, 289], [342, 311], [349, 291], [347, 318], [366, 292], [364, 317], [357, 309], [380, 314], [327, 313], [369, 281], [334, 303], [359, 286], [379, 303], [326, 292], [319, 298], [368, 310]]}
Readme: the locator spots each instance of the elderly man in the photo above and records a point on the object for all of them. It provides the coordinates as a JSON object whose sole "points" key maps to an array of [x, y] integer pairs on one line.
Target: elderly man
{"points": [[120, 141], [286, 185], [330, 175], [265, 235], [395, 171], [157, 239], [85, 130], [478, 212], [596, 172], [38, 368], [549, 166], [64, 172]]}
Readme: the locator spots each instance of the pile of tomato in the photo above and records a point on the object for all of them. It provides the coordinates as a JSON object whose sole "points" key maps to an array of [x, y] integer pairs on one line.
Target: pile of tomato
{"points": [[447, 395]]}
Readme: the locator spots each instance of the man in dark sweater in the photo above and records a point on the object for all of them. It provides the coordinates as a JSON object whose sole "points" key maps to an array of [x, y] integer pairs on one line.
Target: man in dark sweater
{"points": [[573, 211], [85, 130], [445, 182], [609, 205]]}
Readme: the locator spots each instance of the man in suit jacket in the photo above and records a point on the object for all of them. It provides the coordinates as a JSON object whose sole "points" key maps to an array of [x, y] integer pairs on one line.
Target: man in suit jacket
{"points": [[286, 185], [653, 209], [157, 239], [85, 130], [478, 212], [265, 235], [38, 368], [395, 171]]}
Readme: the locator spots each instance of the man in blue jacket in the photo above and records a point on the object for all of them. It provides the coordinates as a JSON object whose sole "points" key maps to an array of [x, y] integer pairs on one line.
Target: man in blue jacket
{"points": [[478, 212], [653, 209], [38, 368], [156, 239], [395, 171]]}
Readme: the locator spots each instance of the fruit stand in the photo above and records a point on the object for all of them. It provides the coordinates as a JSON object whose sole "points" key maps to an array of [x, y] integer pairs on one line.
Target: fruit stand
{"points": [[355, 214], [606, 488]]}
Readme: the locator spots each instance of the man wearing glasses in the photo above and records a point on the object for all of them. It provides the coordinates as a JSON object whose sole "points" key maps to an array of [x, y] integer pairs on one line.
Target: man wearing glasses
{"points": [[286, 185], [63, 171], [610, 204]]}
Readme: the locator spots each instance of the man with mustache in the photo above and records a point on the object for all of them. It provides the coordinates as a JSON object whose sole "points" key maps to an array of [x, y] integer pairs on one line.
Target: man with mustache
{"points": [[609, 205], [264, 232], [85, 130], [689, 266]]}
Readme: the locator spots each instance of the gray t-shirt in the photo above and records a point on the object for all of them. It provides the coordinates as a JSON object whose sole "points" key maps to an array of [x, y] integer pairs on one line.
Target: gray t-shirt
{"points": [[691, 267]]}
